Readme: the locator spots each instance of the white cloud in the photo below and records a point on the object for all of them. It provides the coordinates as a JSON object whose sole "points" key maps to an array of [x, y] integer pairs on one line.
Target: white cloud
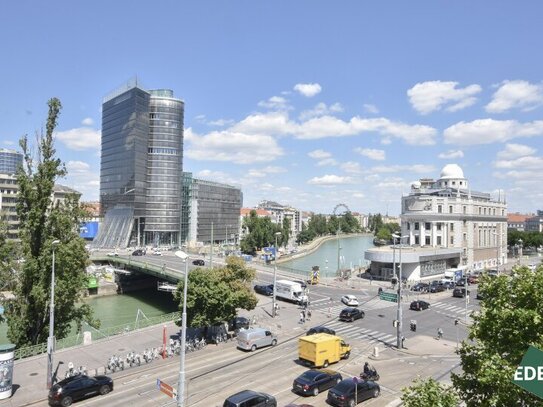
{"points": [[308, 89], [351, 167], [200, 118], [451, 154], [320, 109], [87, 121], [264, 172], [82, 138], [393, 183], [81, 177], [77, 167], [326, 162], [369, 108], [371, 153], [426, 97], [486, 131], [328, 180], [236, 147], [415, 168], [516, 94], [271, 123], [320, 154], [221, 122], [275, 103], [523, 163], [216, 176], [514, 151]]}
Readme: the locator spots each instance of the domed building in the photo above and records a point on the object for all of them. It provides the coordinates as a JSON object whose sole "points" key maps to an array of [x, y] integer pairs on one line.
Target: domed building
{"points": [[446, 228]]}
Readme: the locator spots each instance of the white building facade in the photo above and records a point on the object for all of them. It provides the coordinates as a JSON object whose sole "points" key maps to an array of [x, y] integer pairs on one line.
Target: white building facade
{"points": [[449, 226]]}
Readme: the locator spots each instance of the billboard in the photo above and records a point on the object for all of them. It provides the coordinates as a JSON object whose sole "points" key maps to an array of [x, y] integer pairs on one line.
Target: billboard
{"points": [[88, 230]]}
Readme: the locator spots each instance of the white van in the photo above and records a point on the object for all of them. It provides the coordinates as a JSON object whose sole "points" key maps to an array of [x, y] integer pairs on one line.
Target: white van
{"points": [[254, 338]]}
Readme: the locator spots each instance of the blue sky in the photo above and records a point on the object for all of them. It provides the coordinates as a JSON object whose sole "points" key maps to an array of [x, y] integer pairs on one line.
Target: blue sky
{"points": [[308, 103]]}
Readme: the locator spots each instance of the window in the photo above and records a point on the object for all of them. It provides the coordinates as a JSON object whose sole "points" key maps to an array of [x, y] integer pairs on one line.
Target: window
{"points": [[439, 226], [439, 240], [416, 225], [484, 211], [464, 209], [427, 226], [408, 226], [465, 237], [452, 239], [450, 209], [451, 227], [479, 210], [439, 209], [417, 240], [427, 240]]}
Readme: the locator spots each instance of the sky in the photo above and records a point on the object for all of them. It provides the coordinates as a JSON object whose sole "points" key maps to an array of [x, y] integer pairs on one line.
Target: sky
{"points": [[306, 103]]}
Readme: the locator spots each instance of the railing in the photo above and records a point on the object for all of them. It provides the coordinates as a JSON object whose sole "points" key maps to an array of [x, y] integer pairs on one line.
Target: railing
{"points": [[97, 334]]}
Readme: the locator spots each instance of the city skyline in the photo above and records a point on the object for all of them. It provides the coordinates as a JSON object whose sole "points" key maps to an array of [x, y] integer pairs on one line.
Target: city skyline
{"points": [[304, 104]]}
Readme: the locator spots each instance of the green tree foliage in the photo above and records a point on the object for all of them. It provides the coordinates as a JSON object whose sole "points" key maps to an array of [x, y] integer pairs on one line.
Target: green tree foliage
{"points": [[319, 226], [42, 222], [285, 232], [261, 233], [511, 319], [215, 295], [528, 239], [375, 222], [429, 393]]}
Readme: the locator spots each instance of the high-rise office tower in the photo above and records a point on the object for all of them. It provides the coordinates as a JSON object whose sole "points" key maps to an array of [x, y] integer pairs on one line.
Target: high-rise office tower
{"points": [[9, 161], [141, 167]]}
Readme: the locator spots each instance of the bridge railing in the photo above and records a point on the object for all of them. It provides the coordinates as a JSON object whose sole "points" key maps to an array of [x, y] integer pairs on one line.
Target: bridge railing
{"points": [[97, 334], [156, 270]]}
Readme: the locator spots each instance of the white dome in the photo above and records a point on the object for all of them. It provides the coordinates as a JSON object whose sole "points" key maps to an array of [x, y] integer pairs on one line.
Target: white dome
{"points": [[452, 171], [416, 185]]}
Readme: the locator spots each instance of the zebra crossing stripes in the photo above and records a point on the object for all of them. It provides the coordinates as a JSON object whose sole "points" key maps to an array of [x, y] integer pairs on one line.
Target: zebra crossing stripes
{"points": [[359, 333], [446, 307], [323, 305]]}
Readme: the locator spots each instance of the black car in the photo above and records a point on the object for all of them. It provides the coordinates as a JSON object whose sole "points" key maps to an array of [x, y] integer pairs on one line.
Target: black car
{"points": [[250, 398], [460, 292], [237, 323], [419, 305], [461, 283], [264, 289], [313, 382], [449, 285], [78, 387], [320, 330], [422, 287], [198, 262], [436, 287], [138, 252], [342, 394], [480, 295], [350, 314]]}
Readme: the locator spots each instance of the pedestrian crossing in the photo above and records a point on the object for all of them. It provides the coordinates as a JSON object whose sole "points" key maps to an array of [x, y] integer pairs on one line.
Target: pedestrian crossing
{"points": [[356, 332], [448, 308], [324, 306]]}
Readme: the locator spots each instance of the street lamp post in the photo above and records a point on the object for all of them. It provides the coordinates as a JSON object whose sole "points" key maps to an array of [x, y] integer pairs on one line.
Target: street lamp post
{"points": [[181, 383], [51, 338], [275, 275], [519, 250], [399, 315], [497, 253]]}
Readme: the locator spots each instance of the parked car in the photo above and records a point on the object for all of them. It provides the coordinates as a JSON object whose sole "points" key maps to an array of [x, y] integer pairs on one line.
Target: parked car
{"points": [[264, 289], [157, 253], [320, 330], [473, 279], [460, 292], [449, 285], [350, 314], [422, 287], [198, 262], [238, 323], [138, 252], [78, 387], [461, 282], [343, 393], [419, 305], [312, 382], [250, 398], [349, 300], [114, 254]]}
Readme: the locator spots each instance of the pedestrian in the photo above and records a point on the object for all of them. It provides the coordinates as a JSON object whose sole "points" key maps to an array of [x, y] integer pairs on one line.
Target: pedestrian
{"points": [[301, 317], [371, 279], [403, 339], [309, 315], [439, 333]]}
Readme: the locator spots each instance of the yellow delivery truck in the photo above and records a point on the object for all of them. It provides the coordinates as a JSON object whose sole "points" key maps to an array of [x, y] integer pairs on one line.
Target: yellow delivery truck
{"points": [[320, 350]]}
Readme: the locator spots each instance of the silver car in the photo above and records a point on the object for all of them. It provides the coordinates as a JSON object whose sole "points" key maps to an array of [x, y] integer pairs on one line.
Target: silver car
{"points": [[254, 338]]}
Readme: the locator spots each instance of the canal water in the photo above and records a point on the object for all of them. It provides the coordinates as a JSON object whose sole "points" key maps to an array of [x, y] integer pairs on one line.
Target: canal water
{"points": [[115, 310], [351, 255]]}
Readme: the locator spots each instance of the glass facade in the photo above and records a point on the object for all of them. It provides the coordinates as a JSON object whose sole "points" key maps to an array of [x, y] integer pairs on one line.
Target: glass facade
{"points": [[9, 161]]}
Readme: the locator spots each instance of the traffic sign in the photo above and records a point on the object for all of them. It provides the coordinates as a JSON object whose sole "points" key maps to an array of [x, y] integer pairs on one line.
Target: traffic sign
{"points": [[392, 297], [166, 389]]}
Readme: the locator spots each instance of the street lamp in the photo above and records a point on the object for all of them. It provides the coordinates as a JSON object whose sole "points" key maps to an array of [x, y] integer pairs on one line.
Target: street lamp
{"points": [[399, 315], [51, 338], [275, 275], [497, 253], [181, 383], [519, 250]]}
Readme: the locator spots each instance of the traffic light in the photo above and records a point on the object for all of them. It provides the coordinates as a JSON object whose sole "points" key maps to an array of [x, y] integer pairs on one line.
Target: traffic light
{"points": [[395, 323]]}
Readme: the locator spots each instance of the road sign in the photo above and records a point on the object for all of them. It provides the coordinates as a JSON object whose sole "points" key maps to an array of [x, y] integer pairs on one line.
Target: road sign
{"points": [[166, 389], [392, 297]]}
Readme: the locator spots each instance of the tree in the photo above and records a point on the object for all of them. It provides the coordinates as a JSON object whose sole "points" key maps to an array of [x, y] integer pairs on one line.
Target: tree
{"points": [[215, 295], [40, 223], [511, 319], [285, 232], [429, 393]]}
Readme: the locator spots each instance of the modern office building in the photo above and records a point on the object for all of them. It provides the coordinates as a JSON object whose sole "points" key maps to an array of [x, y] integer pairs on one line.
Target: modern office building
{"points": [[141, 167], [9, 161], [210, 211], [446, 226], [534, 223]]}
